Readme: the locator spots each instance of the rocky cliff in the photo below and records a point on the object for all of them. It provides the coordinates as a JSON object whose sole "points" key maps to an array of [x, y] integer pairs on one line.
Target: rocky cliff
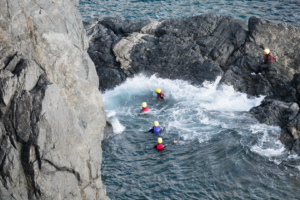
{"points": [[52, 117], [200, 48]]}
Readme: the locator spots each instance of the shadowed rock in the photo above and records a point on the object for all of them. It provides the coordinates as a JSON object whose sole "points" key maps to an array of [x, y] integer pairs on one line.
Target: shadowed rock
{"points": [[193, 48]]}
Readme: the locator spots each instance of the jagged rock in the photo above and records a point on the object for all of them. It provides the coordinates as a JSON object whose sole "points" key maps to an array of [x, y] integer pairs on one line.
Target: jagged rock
{"points": [[109, 78], [101, 42], [175, 45], [193, 48], [282, 39], [271, 82], [275, 112], [52, 117]]}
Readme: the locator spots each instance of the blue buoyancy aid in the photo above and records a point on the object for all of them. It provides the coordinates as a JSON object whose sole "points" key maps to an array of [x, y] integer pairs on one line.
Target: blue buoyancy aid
{"points": [[156, 129]]}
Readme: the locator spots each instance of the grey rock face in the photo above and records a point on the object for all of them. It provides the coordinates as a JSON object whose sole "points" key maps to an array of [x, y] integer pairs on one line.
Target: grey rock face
{"points": [[52, 117]]}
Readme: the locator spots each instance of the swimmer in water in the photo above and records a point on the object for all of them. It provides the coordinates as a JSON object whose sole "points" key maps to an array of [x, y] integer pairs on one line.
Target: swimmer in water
{"points": [[156, 128], [160, 146], [160, 94], [144, 108]]}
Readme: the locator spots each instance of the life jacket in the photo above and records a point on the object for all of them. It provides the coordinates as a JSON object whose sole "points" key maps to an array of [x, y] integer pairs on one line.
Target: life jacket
{"points": [[156, 129], [161, 95], [159, 147], [265, 58], [144, 110]]}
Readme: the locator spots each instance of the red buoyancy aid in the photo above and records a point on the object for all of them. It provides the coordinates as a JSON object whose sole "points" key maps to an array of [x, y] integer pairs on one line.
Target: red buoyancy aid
{"points": [[161, 94], [265, 58], [159, 147], [144, 110]]}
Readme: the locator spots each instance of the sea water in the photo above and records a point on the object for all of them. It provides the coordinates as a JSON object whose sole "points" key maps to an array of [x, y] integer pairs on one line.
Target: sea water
{"points": [[222, 151], [275, 10]]}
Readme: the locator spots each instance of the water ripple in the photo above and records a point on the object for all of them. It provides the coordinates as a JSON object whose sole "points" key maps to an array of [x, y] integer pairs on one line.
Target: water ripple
{"points": [[280, 11]]}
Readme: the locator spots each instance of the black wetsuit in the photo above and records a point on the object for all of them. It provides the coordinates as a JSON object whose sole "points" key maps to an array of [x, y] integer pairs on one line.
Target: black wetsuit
{"points": [[265, 65]]}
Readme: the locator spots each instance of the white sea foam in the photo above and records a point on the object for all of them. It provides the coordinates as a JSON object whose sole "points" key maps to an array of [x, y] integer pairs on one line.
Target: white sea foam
{"points": [[117, 126], [207, 96], [268, 144], [111, 113], [268, 152], [193, 112]]}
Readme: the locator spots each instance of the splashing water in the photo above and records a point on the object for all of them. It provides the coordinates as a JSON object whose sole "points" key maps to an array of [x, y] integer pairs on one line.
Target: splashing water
{"points": [[222, 151]]}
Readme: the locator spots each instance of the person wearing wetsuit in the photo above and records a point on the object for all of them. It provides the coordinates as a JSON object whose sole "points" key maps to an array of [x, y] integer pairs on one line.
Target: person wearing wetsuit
{"points": [[144, 108], [156, 128], [268, 59], [160, 146], [160, 94]]}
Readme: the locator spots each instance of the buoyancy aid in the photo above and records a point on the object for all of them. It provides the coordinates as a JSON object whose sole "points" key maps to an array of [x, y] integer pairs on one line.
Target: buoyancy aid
{"points": [[161, 95], [266, 56], [144, 110], [156, 129], [159, 147]]}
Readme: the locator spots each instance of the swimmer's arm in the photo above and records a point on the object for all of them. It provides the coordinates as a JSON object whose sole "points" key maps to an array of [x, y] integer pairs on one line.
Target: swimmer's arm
{"points": [[151, 130], [174, 142]]}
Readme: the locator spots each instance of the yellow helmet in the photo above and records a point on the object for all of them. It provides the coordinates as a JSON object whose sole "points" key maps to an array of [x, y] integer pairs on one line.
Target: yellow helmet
{"points": [[156, 123], [267, 51], [159, 140], [158, 90], [144, 104]]}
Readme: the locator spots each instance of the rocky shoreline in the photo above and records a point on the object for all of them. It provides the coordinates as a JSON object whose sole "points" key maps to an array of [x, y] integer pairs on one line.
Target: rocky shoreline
{"points": [[201, 48]]}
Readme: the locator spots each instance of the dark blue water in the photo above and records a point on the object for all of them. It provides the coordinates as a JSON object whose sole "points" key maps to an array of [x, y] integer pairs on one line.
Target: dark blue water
{"points": [[280, 11], [222, 152]]}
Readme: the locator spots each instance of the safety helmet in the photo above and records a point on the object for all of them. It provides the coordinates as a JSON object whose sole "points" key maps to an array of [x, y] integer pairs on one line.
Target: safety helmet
{"points": [[159, 140], [144, 104], [156, 123], [267, 51], [158, 90]]}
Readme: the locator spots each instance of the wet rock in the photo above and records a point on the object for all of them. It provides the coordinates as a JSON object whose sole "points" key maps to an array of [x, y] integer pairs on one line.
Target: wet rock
{"points": [[275, 112], [193, 49], [109, 78], [285, 115]]}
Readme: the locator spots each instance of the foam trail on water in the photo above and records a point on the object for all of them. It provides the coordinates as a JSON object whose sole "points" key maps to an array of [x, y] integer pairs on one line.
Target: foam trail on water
{"points": [[192, 112], [267, 144]]}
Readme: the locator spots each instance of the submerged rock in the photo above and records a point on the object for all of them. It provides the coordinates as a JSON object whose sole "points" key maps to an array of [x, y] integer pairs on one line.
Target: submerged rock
{"points": [[52, 117]]}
